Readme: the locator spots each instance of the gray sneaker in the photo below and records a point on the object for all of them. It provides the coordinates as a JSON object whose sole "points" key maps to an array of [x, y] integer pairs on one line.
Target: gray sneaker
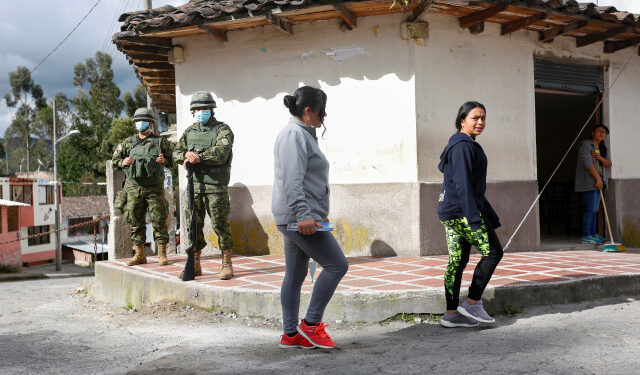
{"points": [[476, 312], [457, 320]]}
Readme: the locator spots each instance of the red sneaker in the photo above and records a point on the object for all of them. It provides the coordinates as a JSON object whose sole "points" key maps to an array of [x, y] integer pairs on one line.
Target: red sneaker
{"points": [[316, 335], [296, 341]]}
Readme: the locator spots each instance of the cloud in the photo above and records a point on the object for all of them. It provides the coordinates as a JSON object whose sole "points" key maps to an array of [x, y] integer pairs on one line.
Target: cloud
{"points": [[30, 29]]}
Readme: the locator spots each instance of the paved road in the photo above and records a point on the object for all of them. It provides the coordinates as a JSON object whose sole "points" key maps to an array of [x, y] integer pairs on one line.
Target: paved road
{"points": [[47, 328]]}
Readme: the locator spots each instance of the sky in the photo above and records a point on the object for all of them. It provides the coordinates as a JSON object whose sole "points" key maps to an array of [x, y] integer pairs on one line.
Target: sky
{"points": [[30, 29]]}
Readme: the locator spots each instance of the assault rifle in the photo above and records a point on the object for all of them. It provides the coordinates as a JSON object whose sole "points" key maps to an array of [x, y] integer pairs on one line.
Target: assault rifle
{"points": [[188, 273]]}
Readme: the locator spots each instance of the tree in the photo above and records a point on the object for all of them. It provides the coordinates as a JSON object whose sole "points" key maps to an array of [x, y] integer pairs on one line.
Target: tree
{"points": [[135, 99], [95, 110], [29, 99], [97, 104]]}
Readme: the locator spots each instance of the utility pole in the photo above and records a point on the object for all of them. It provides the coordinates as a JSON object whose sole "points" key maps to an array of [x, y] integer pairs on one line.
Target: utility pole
{"points": [[147, 6], [56, 191]]}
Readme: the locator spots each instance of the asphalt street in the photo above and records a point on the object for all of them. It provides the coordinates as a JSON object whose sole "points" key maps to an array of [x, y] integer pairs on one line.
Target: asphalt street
{"points": [[53, 327]]}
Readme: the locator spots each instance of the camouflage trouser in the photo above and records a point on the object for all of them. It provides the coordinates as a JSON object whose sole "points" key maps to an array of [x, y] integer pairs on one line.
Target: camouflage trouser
{"points": [[139, 199], [460, 238], [217, 206]]}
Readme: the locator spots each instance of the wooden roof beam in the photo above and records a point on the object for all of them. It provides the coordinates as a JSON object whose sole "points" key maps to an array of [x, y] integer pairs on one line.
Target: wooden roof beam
{"points": [[154, 70], [515, 25], [614, 46], [477, 17], [280, 23], [146, 55], [152, 84], [161, 51], [144, 41], [477, 28], [147, 59], [163, 74], [548, 35], [422, 8], [582, 41], [347, 16], [218, 34], [156, 65]]}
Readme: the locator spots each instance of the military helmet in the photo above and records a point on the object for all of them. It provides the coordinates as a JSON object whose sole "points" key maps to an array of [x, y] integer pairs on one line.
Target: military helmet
{"points": [[144, 114], [202, 99]]}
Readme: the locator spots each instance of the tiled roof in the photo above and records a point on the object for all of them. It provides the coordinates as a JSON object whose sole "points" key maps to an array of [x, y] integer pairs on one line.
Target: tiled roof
{"points": [[146, 36], [85, 206], [199, 11]]}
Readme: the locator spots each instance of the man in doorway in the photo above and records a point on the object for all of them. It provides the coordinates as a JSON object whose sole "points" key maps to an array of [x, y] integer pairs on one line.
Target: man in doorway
{"points": [[207, 146]]}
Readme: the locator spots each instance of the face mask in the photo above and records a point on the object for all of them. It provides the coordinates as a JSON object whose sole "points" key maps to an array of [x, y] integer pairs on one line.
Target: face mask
{"points": [[142, 126], [202, 116]]}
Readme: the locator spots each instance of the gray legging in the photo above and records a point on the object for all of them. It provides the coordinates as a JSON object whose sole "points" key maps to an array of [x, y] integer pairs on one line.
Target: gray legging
{"points": [[324, 249]]}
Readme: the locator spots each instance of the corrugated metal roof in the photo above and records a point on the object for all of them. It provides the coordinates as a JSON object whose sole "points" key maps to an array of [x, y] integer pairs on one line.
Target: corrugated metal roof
{"points": [[87, 246], [8, 203]]}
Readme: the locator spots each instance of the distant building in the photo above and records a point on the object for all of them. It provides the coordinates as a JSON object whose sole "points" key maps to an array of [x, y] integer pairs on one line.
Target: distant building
{"points": [[10, 257], [78, 243], [35, 216]]}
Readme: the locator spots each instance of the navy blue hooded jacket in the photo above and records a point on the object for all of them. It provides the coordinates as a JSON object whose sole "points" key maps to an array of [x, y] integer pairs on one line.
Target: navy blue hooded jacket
{"points": [[464, 165]]}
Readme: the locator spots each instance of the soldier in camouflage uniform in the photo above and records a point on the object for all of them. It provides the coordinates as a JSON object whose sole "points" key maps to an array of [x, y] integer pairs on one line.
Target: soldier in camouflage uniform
{"points": [[207, 146], [143, 158]]}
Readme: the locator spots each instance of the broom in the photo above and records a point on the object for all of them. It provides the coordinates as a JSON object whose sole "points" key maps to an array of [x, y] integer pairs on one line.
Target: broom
{"points": [[612, 247]]}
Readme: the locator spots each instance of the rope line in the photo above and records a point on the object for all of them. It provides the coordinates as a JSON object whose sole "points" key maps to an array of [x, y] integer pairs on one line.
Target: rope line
{"points": [[604, 96], [85, 223]]}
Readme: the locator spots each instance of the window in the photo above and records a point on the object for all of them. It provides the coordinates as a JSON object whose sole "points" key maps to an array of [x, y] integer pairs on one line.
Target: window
{"points": [[13, 225], [40, 240], [85, 230], [21, 193], [45, 194]]}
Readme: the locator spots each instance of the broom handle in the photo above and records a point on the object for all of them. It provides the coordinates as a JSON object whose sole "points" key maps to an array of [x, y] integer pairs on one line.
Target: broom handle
{"points": [[606, 215]]}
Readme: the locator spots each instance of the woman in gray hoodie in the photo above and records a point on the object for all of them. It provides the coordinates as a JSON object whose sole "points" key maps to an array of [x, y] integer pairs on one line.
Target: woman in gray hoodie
{"points": [[301, 197]]}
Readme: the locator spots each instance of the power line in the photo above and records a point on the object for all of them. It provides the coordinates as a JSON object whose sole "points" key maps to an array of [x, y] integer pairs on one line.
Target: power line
{"points": [[113, 22], [110, 46], [66, 37]]}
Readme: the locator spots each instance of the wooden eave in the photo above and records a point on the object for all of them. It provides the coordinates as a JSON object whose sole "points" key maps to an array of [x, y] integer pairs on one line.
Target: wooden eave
{"points": [[148, 51]]}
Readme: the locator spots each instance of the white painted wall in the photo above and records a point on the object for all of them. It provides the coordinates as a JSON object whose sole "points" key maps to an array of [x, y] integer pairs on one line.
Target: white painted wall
{"points": [[26, 249], [371, 106], [624, 120], [456, 66], [379, 103], [43, 214], [4, 188]]}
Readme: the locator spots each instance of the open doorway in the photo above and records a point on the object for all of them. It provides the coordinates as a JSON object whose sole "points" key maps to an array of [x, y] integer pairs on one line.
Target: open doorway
{"points": [[566, 95], [559, 117]]}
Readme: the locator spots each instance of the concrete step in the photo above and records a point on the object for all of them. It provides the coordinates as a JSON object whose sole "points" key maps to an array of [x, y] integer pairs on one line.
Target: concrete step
{"points": [[375, 289]]}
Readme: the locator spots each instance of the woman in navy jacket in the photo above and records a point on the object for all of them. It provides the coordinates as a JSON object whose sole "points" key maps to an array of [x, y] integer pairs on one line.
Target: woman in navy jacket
{"points": [[468, 218]]}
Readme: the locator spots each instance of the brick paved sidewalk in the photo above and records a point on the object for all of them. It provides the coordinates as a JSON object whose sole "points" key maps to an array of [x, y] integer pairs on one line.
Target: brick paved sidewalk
{"points": [[374, 274]]}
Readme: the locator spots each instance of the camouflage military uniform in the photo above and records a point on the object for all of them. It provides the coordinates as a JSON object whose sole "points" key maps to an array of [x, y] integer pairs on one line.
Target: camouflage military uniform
{"points": [[148, 195], [210, 197]]}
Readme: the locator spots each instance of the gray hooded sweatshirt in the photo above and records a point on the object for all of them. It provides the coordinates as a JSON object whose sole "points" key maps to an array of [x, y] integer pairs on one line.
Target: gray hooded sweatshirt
{"points": [[301, 176]]}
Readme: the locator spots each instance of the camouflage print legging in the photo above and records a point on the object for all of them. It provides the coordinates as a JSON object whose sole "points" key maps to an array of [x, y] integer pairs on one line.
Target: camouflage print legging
{"points": [[460, 238]]}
